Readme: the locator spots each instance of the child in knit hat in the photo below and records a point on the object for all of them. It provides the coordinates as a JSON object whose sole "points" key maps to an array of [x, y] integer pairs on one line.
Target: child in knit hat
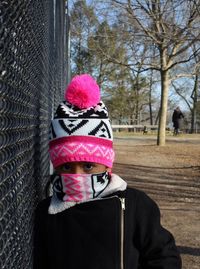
{"points": [[93, 220]]}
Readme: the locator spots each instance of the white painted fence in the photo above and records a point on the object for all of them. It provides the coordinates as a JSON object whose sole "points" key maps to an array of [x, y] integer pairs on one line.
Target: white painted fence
{"points": [[135, 128]]}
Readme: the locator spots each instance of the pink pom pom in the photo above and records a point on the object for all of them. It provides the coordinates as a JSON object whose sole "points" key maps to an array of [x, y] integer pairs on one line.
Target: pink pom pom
{"points": [[83, 91]]}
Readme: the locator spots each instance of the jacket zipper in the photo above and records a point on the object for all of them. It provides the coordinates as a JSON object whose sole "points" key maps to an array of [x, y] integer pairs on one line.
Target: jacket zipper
{"points": [[122, 200]]}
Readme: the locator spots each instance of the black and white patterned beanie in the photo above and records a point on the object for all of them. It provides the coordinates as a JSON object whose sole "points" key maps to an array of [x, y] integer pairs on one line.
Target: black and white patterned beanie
{"points": [[81, 129]]}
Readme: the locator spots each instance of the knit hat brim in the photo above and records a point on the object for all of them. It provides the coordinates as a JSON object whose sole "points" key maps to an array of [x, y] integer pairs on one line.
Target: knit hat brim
{"points": [[81, 149]]}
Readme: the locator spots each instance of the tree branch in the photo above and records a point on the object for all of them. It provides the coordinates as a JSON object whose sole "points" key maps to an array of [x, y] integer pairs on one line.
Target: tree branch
{"points": [[186, 60], [183, 97]]}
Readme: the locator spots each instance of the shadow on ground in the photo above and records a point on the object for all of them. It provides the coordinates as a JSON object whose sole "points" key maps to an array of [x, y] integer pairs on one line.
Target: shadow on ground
{"points": [[189, 250]]}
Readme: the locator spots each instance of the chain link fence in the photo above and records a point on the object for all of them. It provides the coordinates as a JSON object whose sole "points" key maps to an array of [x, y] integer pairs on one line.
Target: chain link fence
{"points": [[32, 78]]}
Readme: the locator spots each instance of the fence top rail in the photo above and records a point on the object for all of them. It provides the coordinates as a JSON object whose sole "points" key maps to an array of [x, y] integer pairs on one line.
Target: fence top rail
{"points": [[133, 126]]}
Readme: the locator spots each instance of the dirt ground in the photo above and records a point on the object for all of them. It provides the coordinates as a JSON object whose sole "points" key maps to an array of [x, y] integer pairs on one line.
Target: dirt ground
{"points": [[171, 176]]}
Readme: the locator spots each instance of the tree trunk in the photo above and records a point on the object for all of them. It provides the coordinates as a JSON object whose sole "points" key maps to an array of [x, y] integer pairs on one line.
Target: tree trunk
{"points": [[150, 99], [137, 111], [194, 109], [157, 117], [163, 106]]}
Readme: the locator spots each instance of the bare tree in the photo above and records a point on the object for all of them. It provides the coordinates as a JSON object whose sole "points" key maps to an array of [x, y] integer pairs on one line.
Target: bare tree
{"points": [[83, 24], [171, 27]]}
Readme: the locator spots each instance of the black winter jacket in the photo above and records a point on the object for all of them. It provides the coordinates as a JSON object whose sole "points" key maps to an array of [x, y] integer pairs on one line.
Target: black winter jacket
{"points": [[104, 234]]}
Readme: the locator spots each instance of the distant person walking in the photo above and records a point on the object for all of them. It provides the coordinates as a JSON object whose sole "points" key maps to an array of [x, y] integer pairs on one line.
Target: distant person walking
{"points": [[176, 119]]}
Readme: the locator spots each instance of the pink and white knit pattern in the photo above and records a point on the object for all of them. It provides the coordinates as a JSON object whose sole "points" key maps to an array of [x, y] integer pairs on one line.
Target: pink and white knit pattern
{"points": [[83, 187], [76, 148], [76, 188]]}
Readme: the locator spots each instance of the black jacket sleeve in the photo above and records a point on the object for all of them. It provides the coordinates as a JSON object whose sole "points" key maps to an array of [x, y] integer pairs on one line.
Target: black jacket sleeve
{"points": [[156, 244], [40, 258]]}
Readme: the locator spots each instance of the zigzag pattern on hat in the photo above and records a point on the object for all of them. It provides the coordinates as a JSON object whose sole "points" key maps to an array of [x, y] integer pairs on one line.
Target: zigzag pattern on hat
{"points": [[72, 126], [66, 110], [69, 150], [101, 130], [92, 127]]}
